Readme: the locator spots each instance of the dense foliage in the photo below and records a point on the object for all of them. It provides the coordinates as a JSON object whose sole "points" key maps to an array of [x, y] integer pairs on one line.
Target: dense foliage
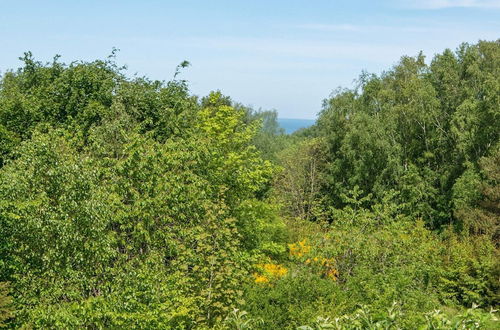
{"points": [[131, 203], [420, 130]]}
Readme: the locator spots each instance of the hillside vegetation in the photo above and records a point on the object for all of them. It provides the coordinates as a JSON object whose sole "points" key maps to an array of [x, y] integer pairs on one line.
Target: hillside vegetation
{"points": [[128, 203]]}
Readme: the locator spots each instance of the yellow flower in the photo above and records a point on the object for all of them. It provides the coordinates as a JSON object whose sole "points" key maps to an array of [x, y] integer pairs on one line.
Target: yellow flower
{"points": [[260, 279], [299, 249], [332, 274], [274, 270], [304, 247], [269, 272]]}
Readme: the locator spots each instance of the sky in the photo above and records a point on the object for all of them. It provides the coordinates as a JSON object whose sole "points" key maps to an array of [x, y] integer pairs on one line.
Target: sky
{"points": [[287, 55]]}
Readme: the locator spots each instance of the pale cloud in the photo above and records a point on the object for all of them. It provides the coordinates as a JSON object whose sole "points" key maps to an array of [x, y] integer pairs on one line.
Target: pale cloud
{"points": [[443, 4]]}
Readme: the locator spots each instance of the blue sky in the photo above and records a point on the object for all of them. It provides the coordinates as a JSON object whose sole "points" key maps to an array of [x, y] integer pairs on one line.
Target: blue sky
{"points": [[283, 55]]}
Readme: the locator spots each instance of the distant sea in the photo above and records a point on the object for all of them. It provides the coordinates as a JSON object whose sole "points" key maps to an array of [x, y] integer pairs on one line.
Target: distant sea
{"points": [[291, 125]]}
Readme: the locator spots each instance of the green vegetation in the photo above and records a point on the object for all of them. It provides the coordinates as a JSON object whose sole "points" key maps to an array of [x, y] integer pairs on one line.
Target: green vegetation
{"points": [[131, 203]]}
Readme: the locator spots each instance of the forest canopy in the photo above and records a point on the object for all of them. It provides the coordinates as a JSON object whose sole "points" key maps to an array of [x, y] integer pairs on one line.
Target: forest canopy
{"points": [[132, 203]]}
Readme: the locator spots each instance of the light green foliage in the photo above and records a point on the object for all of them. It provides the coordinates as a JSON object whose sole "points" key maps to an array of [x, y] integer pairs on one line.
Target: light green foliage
{"points": [[269, 139]]}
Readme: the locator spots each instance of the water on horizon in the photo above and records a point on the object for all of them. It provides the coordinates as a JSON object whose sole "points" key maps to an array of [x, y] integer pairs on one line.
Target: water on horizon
{"points": [[292, 124]]}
